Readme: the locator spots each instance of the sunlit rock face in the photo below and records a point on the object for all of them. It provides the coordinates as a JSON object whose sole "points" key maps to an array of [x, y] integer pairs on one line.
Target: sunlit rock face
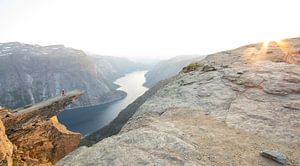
{"points": [[32, 73], [38, 137], [277, 51], [223, 110], [6, 148]]}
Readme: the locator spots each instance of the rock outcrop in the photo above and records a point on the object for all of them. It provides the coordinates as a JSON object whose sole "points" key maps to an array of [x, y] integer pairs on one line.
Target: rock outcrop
{"points": [[223, 110], [33, 73], [6, 148], [36, 133]]}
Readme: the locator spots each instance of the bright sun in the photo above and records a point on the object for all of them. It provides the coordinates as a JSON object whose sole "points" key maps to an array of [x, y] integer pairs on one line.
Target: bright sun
{"points": [[275, 38]]}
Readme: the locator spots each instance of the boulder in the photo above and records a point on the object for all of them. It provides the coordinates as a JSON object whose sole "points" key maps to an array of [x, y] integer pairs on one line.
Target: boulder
{"points": [[275, 155]]}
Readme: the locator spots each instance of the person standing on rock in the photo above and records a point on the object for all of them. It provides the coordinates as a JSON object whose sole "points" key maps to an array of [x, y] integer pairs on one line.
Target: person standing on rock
{"points": [[62, 92]]}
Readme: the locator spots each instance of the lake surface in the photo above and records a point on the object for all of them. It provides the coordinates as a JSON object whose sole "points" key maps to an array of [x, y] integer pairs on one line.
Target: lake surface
{"points": [[88, 119]]}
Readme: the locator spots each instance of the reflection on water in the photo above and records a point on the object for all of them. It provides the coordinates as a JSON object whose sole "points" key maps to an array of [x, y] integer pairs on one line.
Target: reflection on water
{"points": [[88, 119]]}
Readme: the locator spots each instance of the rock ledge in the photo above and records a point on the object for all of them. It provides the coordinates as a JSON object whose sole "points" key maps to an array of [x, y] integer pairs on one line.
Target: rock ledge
{"points": [[37, 135]]}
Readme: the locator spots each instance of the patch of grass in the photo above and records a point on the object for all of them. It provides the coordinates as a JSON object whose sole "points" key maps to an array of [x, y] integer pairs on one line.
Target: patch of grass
{"points": [[191, 67], [16, 162], [85, 142]]}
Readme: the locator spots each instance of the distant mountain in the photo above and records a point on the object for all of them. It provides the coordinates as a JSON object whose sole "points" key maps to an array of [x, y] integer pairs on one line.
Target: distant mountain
{"points": [[167, 68], [117, 66], [32, 73]]}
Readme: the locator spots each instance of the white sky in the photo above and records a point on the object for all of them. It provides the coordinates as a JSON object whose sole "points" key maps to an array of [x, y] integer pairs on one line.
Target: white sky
{"points": [[148, 28]]}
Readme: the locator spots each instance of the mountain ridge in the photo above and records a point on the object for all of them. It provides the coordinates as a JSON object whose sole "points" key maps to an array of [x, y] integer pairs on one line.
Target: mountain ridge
{"points": [[32, 73]]}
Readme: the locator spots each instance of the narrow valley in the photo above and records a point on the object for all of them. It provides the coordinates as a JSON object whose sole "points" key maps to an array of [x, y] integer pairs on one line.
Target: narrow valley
{"points": [[85, 120]]}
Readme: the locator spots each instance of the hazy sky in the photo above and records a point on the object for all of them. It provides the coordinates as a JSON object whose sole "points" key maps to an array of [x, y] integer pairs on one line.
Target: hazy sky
{"points": [[148, 28]]}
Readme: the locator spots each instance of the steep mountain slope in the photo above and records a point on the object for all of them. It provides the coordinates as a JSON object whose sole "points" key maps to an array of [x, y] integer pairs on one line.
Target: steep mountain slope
{"points": [[32, 73], [223, 110], [167, 68]]}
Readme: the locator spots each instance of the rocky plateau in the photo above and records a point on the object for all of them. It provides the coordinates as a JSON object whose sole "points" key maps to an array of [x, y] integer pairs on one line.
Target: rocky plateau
{"points": [[223, 110]]}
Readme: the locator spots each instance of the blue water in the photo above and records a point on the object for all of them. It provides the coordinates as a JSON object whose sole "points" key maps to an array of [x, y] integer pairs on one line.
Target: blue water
{"points": [[88, 119]]}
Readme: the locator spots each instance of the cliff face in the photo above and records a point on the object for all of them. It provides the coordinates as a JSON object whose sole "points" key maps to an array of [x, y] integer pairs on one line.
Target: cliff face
{"points": [[32, 73], [37, 135], [166, 69], [6, 147], [223, 110]]}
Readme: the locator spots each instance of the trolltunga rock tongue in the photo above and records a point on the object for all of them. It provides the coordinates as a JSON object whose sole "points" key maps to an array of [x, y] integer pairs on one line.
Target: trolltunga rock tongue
{"points": [[35, 131]]}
